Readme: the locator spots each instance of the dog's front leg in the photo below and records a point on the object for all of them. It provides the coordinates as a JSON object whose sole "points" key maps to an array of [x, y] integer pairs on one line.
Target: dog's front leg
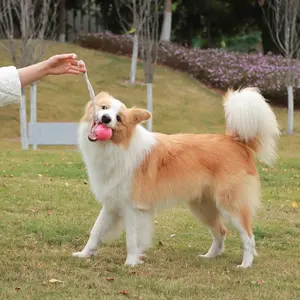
{"points": [[145, 231], [131, 224], [103, 224]]}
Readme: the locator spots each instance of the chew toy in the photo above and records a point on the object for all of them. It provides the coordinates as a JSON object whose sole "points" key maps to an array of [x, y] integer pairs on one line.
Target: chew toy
{"points": [[103, 133], [98, 131]]}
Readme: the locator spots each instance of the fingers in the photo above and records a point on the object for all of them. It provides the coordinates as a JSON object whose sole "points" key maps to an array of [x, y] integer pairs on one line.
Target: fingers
{"points": [[79, 69], [66, 56], [78, 65], [65, 64], [75, 70], [70, 57]]}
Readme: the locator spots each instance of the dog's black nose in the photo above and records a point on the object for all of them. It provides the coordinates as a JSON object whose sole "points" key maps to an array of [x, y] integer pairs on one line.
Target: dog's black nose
{"points": [[106, 119]]}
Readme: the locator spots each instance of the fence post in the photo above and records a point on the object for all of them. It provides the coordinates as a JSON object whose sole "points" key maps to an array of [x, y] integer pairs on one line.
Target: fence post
{"points": [[33, 90]]}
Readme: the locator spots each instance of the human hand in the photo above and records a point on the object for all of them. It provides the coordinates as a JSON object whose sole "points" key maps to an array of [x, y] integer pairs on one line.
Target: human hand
{"points": [[63, 64]]}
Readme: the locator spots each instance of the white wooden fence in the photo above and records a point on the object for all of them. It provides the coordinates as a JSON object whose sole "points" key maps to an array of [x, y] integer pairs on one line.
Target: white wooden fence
{"points": [[41, 133]]}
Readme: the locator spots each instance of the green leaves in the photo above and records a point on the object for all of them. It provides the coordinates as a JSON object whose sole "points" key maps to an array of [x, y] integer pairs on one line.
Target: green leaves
{"points": [[132, 30]]}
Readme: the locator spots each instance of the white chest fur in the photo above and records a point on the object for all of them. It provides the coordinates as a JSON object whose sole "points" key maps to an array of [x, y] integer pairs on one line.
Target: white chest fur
{"points": [[111, 168]]}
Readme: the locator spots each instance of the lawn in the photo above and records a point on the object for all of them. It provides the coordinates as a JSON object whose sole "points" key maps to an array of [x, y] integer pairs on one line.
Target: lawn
{"points": [[47, 209]]}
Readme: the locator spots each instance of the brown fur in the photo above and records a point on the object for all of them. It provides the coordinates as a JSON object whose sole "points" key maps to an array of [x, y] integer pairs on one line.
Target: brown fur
{"points": [[124, 130], [208, 172], [180, 164], [130, 117], [102, 98]]}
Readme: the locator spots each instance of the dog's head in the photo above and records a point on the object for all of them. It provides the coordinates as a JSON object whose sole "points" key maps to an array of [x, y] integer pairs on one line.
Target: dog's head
{"points": [[113, 114]]}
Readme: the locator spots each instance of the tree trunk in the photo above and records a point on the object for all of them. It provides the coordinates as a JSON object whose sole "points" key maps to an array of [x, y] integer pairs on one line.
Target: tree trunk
{"points": [[167, 22], [62, 21], [135, 51], [23, 121], [149, 104], [74, 22], [290, 110], [33, 92], [89, 16]]}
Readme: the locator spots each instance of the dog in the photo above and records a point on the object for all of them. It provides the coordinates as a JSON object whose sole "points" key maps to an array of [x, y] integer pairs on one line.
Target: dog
{"points": [[136, 172]]}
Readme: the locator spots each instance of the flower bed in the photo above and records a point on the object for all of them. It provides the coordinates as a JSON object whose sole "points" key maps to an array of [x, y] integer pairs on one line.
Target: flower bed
{"points": [[216, 68]]}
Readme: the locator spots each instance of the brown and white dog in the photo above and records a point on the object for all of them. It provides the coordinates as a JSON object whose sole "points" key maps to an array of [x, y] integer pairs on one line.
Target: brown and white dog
{"points": [[137, 171]]}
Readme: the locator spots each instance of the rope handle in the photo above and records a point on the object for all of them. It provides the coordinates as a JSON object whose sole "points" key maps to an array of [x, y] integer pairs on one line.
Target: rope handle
{"points": [[90, 89]]}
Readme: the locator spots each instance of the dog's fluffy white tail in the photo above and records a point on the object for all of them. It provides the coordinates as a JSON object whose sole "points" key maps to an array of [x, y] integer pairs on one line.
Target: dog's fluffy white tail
{"points": [[251, 120]]}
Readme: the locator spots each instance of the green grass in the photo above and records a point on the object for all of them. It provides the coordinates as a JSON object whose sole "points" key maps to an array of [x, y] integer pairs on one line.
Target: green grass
{"points": [[47, 209]]}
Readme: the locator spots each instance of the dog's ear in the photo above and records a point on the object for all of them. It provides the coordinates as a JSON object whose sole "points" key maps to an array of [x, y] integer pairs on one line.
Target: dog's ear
{"points": [[139, 115], [88, 112], [89, 106]]}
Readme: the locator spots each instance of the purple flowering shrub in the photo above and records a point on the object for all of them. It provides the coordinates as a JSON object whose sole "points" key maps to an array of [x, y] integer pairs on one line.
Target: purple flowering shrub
{"points": [[105, 41], [214, 67]]}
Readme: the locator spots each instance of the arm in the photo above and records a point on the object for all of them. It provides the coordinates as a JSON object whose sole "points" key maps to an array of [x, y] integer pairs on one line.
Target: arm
{"points": [[55, 65], [12, 79], [32, 73]]}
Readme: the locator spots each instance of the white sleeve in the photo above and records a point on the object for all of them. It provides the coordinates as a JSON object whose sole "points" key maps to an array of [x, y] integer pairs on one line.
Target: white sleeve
{"points": [[10, 86]]}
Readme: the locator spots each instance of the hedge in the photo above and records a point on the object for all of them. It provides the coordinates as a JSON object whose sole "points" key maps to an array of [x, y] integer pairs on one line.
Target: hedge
{"points": [[214, 67]]}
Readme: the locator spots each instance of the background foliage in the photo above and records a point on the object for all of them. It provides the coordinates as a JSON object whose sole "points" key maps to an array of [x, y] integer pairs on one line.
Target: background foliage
{"points": [[215, 67]]}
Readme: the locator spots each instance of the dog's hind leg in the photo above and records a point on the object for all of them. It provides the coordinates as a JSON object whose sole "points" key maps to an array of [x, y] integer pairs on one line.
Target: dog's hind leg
{"points": [[104, 225], [206, 211], [239, 207], [242, 220]]}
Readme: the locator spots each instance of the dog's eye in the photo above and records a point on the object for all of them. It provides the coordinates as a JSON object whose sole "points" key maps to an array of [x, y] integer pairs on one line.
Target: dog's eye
{"points": [[104, 107], [119, 118]]}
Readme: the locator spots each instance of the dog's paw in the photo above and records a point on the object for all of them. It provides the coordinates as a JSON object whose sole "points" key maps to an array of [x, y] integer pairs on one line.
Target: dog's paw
{"points": [[207, 255], [212, 254], [133, 261], [83, 254], [243, 266], [142, 256]]}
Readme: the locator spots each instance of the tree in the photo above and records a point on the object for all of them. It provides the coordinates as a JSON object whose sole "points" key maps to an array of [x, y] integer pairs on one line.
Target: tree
{"points": [[149, 48], [132, 25], [285, 30], [62, 21], [167, 22], [35, 21]]}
